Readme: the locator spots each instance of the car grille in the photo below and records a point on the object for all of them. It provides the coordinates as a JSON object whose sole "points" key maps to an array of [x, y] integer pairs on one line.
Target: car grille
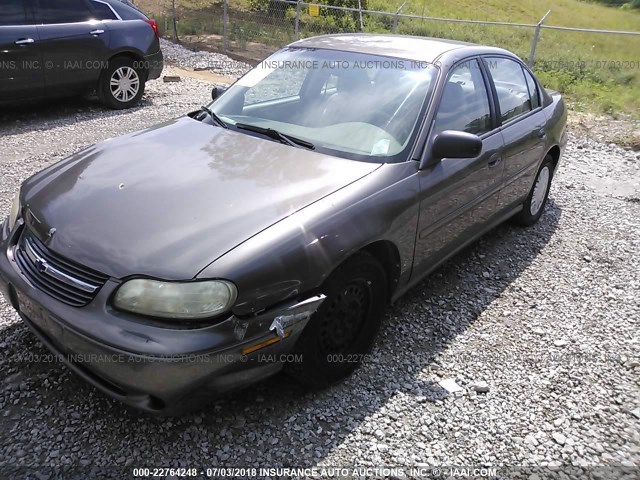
{"points": [[55, 275]]}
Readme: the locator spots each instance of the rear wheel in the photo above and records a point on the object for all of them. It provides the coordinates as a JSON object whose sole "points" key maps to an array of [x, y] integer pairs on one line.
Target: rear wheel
{"points": [[537, 199], [121, 84], [345, 326]]}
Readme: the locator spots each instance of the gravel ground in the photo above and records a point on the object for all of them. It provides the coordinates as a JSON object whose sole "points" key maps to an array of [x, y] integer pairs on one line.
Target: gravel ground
{"points": [[200, 60], [538, 327]]}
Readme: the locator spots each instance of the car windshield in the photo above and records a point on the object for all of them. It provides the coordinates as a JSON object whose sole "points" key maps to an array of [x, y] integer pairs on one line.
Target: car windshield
{"points": [[351, 105]]}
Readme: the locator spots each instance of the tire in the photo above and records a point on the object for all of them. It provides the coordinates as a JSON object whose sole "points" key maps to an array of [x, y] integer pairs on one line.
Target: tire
{"points": [[345, 326], [122, 71], [537, 198]]}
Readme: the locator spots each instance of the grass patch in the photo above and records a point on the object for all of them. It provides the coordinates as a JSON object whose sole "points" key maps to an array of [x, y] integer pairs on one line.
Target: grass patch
{"points": [[596, 72]]}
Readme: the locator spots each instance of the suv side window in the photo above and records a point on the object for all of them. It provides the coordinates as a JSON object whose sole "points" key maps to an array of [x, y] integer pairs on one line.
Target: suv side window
{"points": [[15, 12], [64, 11], [102, 11], [465, 102], [511, 87]]}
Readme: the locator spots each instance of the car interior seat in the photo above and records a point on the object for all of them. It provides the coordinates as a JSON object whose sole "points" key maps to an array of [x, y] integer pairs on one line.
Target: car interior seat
{"points": [[352, 98]]}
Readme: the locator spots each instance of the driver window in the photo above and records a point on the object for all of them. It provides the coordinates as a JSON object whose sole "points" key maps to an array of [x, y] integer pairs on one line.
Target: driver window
{"points": [[465, 104], [15, 12]]}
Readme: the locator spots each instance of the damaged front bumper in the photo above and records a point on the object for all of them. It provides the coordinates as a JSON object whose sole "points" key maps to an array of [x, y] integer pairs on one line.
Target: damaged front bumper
{"points": [[156, 367]]}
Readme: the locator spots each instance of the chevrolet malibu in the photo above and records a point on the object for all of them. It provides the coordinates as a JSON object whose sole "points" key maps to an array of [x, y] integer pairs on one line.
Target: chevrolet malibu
{"points": [[269, 229]]}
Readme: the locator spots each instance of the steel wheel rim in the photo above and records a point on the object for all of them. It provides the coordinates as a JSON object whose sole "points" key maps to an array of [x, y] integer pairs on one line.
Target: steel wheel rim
{"points": [[124, 84], [540, 190], [345, 317]]}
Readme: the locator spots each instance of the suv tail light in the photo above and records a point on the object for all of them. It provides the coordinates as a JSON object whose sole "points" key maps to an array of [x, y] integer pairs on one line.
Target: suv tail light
{"points": [[154, 25]]}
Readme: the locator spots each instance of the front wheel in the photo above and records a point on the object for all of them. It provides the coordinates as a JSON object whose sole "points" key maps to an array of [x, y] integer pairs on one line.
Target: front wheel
{"points": [[121, 84], [345, 326], [537, 199]]}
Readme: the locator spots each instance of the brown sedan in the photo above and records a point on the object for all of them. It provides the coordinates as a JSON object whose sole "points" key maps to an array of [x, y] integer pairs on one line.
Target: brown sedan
{"points": [[197, 256]]}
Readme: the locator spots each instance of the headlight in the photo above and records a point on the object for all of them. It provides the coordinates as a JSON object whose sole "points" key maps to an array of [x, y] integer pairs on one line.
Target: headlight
{"points": [[185, 300], [15, 210]]}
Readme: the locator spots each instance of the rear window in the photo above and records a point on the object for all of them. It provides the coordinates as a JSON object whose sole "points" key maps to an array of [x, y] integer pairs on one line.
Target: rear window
{"points": [[103, 11], [64, 11], [127, 11], [533, 90]]}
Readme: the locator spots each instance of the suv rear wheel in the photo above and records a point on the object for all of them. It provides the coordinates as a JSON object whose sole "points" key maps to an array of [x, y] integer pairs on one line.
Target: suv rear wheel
{"points": [[121, 84]]}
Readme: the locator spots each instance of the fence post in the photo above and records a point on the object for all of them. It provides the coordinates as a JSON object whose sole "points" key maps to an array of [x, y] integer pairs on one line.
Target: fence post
{"points": [[225, 25], [360, 12], [395, 18], [175, 22], [534, 42], [297, 23]]}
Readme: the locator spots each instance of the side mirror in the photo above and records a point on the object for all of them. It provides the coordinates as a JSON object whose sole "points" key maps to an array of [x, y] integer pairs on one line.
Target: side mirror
{"points": [[454, 144], [217, 91]]}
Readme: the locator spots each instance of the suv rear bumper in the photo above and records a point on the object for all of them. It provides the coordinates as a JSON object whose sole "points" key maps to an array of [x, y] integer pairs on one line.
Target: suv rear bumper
{"points": [[154, 64]]}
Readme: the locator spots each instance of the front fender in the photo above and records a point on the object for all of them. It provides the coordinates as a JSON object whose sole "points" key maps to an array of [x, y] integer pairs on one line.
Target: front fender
{"points": [[296, 255]]}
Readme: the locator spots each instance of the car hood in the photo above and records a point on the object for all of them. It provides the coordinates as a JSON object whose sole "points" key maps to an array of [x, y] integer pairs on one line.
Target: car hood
{"points": [[167, 201]]}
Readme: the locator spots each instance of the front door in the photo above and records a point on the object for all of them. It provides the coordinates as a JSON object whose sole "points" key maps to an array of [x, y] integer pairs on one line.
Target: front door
{"points": [[458, 196], [21, 73], [75, 47]]}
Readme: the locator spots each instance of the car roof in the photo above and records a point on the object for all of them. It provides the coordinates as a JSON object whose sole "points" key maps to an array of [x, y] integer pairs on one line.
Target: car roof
{"points": [[424, 49]]}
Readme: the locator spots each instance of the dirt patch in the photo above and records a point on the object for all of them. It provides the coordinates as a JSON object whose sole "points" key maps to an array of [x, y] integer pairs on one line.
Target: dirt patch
{"points": [[205, 75], [251, 52], [619, 130]]}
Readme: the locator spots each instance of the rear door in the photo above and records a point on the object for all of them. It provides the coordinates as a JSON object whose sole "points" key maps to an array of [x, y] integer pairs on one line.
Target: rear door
{"points": [[522, 126], [459, 195], [21, 74], [75, 46]]}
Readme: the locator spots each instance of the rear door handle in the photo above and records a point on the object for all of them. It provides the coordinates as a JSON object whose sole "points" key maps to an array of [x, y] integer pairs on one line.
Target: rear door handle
{"points": [[495, 160], [542, 133], [96, 32], [24, 41]]}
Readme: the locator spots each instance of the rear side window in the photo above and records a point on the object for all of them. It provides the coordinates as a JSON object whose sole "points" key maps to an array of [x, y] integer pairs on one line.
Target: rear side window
{"points": [[511, 87], [533, 90], [15, 12], [64, 11], [103, 11], [127, 11]]}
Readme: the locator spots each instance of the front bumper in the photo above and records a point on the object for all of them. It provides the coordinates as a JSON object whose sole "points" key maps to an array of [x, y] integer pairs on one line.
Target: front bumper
{"points": [[146, 364]]}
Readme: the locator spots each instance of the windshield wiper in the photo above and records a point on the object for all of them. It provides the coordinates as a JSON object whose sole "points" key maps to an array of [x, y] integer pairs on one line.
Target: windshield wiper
{"points": [[276, 135], [214, 117]]}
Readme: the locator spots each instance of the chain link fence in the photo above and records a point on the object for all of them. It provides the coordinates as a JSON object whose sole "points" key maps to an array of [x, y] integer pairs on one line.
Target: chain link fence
{"points": [[256, 28], [586, 62]]}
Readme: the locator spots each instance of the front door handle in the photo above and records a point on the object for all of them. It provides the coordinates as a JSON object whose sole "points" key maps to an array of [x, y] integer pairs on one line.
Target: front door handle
{"points": [[96, 32], [495, 160], [24, 41]]}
